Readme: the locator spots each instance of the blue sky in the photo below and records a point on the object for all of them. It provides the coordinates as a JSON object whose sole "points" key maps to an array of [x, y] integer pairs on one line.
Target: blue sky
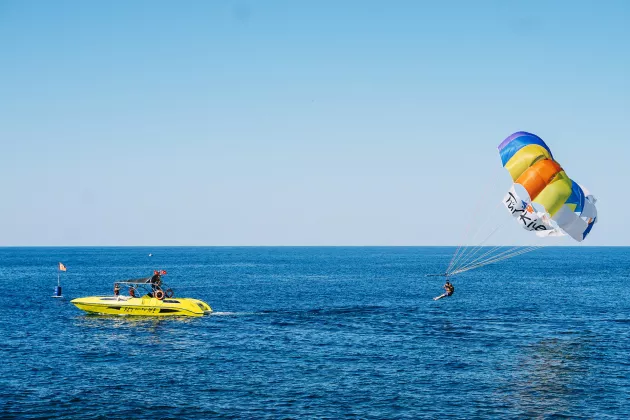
{"points": [[300, 122]]}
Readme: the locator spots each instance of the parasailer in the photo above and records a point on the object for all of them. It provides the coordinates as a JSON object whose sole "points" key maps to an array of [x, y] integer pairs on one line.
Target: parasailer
{"points": [[449, 288], [542, 199]]}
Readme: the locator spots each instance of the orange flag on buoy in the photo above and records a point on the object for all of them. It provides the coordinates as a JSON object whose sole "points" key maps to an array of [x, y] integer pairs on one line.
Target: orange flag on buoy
{"points": [[62, 267]]}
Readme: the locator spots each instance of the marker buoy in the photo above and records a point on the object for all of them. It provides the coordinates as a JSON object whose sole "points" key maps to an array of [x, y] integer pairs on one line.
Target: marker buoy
{"points": [[58, 288]]}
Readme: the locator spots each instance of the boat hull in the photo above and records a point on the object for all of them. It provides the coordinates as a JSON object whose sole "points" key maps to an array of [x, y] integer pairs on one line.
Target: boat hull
{"points": [[142, 306]]}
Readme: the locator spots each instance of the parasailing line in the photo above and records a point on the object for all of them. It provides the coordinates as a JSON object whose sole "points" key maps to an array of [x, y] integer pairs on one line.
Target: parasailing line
{"points": [[495, 260]]}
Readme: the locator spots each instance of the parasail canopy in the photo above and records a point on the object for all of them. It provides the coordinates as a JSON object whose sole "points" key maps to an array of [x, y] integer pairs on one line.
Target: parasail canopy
{"points": [[543, 198]]}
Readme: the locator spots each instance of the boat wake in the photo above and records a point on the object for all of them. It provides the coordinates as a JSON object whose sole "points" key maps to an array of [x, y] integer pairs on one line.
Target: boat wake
{"points": [[231, 313]]}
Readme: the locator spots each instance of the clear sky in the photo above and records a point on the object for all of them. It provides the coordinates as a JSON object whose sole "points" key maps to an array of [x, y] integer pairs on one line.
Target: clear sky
{"points": [[300, 122]]}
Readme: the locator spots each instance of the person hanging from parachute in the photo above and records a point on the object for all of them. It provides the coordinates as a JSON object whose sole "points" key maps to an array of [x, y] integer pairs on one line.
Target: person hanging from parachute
{"points": [[449, 288], [542, 199]]}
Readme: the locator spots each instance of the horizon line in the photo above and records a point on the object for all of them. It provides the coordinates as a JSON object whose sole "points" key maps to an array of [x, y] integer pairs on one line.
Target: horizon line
{"points": [[303, 246]]}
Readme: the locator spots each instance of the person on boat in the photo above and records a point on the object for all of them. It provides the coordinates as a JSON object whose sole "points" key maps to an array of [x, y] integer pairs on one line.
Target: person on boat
{"points": [[156, 279], [116, 289], [156, 282]]}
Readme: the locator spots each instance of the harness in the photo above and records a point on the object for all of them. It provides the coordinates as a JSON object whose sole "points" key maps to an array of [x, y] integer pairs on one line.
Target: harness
{"points": [[450, 289]]}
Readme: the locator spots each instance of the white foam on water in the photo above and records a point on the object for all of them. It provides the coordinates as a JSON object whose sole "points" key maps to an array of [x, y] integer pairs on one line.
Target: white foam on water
{"points": [[231, 313]]}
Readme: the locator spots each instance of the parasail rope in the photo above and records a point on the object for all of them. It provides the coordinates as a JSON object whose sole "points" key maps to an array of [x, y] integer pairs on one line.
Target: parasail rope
{"points": [[492, 261], [487, 255], [526, 250], [455, 257], [467, 249], [464, 248], [474, 250], [475, 262], [495, 260]]}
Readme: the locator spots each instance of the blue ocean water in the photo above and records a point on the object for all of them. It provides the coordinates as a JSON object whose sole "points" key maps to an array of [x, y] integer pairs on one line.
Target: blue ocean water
{"points": [[319, 332]]}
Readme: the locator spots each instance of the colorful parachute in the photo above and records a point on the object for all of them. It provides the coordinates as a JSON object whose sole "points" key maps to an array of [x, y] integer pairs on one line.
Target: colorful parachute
{"points": [[543, 198]]}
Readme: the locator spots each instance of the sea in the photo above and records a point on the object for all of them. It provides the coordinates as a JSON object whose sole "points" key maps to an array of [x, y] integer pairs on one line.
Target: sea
{"points": [[319, 332]]}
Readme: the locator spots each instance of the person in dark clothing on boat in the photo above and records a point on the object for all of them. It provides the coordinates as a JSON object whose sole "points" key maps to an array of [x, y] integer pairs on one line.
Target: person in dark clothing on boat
{"points": [[156, 279], [156, 282]]}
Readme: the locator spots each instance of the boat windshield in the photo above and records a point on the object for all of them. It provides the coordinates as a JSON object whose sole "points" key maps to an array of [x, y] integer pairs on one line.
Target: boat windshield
{"points": [[135, 281]]}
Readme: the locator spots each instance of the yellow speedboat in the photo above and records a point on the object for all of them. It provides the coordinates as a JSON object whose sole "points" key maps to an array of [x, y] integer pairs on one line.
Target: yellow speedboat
{"points": [[155, 302]]}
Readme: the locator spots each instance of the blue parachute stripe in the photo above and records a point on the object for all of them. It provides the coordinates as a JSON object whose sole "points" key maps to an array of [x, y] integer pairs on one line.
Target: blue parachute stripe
{"points": [[521, 140], [588, 229], [577, 197]]}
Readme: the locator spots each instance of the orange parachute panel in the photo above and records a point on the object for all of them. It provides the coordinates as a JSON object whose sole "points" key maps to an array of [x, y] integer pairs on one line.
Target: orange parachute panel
{"points": [[538, 176]]}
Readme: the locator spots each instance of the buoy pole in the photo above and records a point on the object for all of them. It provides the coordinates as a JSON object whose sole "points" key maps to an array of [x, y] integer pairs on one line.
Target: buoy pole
{"points": [[58, 288]]}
